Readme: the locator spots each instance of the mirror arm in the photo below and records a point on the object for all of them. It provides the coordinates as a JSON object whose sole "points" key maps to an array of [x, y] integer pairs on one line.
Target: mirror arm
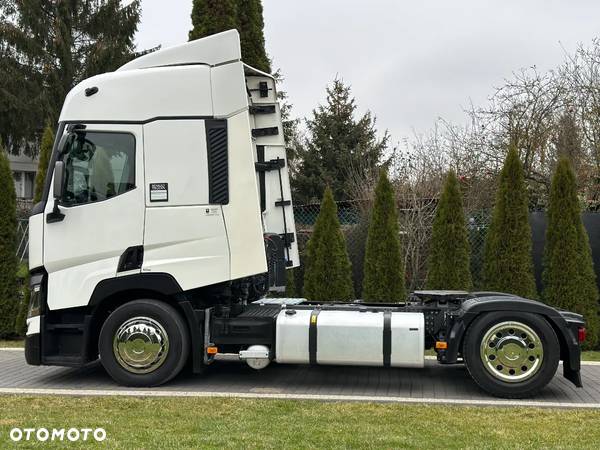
{"points": [[55, 215]]}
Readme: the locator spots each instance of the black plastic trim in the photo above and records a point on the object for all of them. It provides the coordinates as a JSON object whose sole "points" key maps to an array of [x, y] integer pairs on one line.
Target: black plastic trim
{"points": [[312, 337], [268, 131], [195, 321], [242, 330], [267, 166], [260, 156], [162, 283], [33, 351], [218, 163], [131, 259], [263, 89], [387, 338], [262, 109]]}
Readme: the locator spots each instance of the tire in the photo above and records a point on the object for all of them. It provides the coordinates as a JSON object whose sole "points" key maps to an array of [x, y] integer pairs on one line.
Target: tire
{"points": [[144, 343], [511, 355]]}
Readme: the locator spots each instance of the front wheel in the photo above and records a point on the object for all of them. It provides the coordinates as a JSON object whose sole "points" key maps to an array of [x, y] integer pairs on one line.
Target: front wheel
{"points": [[144, 343], [511, 355]]}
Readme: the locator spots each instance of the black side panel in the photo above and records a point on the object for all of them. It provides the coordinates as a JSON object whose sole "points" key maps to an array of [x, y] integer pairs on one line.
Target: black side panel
{"points": [[159, 282], [243, 331], [218, 167]]}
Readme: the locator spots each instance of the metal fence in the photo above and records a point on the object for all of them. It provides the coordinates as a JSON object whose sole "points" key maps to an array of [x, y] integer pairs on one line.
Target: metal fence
{"points": [[22, 239], [415, 230]]}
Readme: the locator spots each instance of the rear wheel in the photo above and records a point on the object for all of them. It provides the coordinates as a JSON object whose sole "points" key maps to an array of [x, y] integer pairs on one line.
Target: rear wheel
{"points": [[144, 343], [511, 355]]}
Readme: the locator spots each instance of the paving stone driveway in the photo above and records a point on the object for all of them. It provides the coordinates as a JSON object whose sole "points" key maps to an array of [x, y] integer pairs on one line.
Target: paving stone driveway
{"points": [[446, 384]]}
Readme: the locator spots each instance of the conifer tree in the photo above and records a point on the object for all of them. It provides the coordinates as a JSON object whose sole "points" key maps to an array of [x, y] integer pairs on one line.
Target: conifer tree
{"points": [[48, 46], [215, 16], [25, 295], [508, 265], [212, 16], [8, 249], [569, 277], [449, 254], [328, 273], [384, 262], [340, 148], [290, 283], [44, 158], [250, 24]]}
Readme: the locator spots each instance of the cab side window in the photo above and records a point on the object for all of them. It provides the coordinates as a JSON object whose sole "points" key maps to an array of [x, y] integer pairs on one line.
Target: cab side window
{"points": [[98, 166]]}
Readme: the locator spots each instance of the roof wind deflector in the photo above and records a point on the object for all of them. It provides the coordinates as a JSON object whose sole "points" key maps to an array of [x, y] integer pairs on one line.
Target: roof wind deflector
{"points": [[212, 50]]}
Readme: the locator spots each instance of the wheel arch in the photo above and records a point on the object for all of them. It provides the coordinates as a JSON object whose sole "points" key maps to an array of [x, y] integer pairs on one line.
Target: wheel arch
{"points": [[570, 352], [114, 292]]}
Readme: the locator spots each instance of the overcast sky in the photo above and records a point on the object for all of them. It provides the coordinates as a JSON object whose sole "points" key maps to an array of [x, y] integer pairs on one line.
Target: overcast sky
{"points": [[409, 62]]}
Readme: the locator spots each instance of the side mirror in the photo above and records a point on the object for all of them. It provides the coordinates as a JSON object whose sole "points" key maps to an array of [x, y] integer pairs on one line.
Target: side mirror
{"points": [[58, 189], [59, 179]]}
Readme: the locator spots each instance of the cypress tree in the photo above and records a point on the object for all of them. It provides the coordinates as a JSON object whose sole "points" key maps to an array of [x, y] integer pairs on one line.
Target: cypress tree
{"points": [[21, 319], [569, 277], [212, 16], [508, 265], [8, 249], [215, 16], [328, 273], [384, 263], [251, 25], [290, 283], [44, 158], [449, 254]]}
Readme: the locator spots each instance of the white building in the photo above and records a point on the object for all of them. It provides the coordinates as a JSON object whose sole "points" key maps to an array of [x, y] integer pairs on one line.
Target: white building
{"points": [[24, 169]]}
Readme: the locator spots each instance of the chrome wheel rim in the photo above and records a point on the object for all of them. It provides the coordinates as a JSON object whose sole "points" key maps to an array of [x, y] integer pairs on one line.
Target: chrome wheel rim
{"points": [[512, 352], [141, 345]]}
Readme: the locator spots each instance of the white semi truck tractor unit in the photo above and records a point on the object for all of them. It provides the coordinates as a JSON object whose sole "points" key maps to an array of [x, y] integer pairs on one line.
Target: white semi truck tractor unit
{"points": [[167, 218]]}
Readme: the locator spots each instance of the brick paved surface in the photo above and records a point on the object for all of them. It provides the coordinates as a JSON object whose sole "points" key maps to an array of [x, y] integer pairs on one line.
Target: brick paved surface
{"points": [[432, 382]]}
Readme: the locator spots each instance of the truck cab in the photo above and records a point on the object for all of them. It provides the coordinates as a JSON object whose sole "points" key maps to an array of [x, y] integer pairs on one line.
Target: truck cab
{"points": [[168, 174]]}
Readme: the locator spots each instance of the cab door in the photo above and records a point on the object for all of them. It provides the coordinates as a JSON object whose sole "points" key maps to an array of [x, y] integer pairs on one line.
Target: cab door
{"points": [[103, 208]]}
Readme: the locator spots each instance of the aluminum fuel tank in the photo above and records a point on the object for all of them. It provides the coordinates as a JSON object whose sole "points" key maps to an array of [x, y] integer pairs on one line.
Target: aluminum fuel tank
{"points": [[362, 338]]}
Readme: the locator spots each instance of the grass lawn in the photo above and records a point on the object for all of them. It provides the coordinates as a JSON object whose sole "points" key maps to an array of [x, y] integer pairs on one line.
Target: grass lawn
{"points": [[590, 356], [11, 344], [244, 423]]}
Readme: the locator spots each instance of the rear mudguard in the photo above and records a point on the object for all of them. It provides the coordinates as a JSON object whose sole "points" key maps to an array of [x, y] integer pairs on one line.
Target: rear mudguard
{"points": [[565, 325]]}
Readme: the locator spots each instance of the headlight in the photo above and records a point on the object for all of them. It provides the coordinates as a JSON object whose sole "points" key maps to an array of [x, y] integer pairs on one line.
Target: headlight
{"points": [[35, 301]]}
